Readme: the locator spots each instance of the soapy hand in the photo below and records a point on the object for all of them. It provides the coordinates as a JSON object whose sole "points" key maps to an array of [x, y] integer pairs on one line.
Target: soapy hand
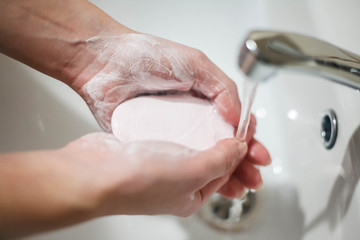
{"points": [[152, 177], [133, 64], [97, 173]]}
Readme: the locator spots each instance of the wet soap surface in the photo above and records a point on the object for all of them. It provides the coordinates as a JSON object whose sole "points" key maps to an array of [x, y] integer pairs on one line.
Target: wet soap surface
{"points": [[183, 119]]}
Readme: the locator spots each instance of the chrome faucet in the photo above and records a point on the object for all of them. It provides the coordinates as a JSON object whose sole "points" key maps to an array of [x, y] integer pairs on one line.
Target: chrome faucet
{"points": [[264, 52]]}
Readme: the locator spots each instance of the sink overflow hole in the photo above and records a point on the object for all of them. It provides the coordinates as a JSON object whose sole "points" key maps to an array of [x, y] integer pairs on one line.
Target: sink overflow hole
{"points": [[329, 128]]}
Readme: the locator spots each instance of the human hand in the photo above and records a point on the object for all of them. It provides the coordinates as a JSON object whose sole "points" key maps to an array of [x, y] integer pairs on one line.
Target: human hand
{"points": [[132, 64], [246, 175], [152, 177]]}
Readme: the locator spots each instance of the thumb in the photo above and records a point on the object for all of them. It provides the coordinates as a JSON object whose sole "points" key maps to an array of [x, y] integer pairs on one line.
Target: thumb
{"points": [[220, 159]]}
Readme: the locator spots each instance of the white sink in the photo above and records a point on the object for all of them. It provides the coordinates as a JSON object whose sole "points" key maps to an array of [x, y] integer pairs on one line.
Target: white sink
{"points": [[309, 193]]}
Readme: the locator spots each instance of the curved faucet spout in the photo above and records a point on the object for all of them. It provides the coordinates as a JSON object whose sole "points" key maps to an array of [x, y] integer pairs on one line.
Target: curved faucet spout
{"points": [[264, 52]]}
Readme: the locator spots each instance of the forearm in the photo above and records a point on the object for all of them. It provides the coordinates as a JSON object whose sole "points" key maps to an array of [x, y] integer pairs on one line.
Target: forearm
{"points": [[41, 191], [50, 35]]}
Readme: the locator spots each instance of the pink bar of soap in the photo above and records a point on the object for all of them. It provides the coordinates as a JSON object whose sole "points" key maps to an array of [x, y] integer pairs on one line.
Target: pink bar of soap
{"points": [[183, 119]]}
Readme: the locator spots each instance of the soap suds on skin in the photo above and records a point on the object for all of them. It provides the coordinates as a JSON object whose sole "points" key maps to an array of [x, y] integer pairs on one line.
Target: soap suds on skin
{"points": [[131, 64], [182, 119]]}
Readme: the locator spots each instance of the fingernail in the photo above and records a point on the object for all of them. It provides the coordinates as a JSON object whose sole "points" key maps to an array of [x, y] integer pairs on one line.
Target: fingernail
{"points": [[260, 186], [269, 158], [258, 150], [242, 194]]}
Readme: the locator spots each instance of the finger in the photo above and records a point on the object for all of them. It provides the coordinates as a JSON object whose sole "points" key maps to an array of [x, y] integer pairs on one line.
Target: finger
{"points": [[220, 159], [258, 154], [218, 87], [205, 192], [249, 175], [228, 105], [234, 188]]}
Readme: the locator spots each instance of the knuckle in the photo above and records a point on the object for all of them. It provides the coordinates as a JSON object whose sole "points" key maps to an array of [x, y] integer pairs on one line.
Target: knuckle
{"points": [[200, 55], [229, 154]]}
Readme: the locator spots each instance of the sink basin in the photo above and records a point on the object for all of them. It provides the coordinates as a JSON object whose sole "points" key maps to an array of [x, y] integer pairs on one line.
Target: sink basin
{"points": [[310, 192]]}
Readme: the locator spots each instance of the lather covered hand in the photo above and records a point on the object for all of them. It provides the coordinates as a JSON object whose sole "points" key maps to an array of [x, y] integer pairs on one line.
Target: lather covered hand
{"points": [[133, 64], [97, 174]]}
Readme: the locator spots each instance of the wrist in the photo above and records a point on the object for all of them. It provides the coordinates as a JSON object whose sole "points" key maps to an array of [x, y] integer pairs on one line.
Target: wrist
{"points": [[50, 35], [104, 190], [84, 62], [83, 184], [58, 193]]}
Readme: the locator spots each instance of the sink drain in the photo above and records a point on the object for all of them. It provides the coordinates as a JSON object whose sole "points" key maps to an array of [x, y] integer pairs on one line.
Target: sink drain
{"points": [[329, 128], [228, 214]]}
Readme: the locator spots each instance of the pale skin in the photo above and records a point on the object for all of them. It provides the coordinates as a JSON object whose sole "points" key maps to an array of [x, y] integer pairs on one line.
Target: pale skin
{"points": [[97, 175]]}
